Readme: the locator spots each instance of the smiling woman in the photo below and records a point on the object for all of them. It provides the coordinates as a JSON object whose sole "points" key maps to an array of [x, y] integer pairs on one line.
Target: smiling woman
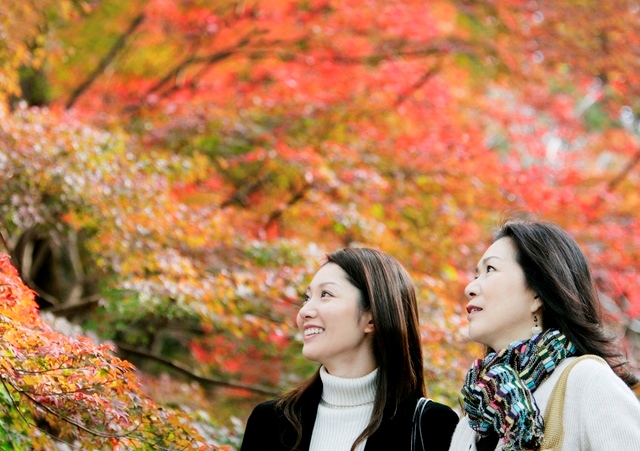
{"points": [[359, 320], [337, 333]]}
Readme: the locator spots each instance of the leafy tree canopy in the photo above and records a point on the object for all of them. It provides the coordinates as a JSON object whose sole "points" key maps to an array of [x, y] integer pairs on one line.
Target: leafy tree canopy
{"points": [[175, 171]]}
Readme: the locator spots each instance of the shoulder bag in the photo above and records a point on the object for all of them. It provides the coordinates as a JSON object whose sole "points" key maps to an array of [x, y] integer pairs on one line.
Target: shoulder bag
{"points": [[416, 427], [553, 429]]}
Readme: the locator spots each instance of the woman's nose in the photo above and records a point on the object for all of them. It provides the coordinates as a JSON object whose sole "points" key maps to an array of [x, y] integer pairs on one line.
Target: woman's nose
{"points": [[470, 290], [307, 310]]}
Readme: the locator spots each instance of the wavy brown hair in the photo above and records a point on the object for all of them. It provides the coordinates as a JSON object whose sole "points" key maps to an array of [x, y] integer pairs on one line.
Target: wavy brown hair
{"points": [[557, 270], [387, 291]]}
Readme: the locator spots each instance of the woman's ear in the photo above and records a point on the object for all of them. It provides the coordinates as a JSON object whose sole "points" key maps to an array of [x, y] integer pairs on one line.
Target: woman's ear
{"points": [[536, 304], [367, 319]]}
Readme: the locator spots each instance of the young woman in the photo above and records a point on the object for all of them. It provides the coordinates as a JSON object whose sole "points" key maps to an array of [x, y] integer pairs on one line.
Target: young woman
{"points": [[359, 320], [534, 305]]}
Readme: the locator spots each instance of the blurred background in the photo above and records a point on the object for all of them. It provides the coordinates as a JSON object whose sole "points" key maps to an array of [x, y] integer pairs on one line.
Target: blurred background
{"points": [[172, 172]]}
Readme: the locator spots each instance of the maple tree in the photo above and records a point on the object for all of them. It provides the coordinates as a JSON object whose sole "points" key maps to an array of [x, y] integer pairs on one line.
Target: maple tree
{"points": [[194, 161], [55, 388]]}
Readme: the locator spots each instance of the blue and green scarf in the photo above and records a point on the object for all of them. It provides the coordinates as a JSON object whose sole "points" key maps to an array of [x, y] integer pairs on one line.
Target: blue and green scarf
{"points": [[497, 393]]}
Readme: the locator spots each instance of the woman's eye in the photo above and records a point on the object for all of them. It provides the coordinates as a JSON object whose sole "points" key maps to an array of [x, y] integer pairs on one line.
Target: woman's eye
{"points": [[490, 268], [325, 294], [305, 298]]}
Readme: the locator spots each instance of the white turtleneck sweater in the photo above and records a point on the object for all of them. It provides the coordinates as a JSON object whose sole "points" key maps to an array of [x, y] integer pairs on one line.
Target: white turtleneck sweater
{"points": [[344, 411]]}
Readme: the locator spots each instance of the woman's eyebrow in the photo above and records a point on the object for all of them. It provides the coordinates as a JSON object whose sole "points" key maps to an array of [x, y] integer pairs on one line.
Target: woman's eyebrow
{"points": [[484, 262], [324, 284]]}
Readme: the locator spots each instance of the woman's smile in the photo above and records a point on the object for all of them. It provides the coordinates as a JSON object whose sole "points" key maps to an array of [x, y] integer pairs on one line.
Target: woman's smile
{"points": [[311, 331], [335, 330]]}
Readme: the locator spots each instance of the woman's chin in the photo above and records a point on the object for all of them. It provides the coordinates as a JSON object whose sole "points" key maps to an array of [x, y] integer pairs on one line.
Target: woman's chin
{"points": [[310, 355], [474, 334]]}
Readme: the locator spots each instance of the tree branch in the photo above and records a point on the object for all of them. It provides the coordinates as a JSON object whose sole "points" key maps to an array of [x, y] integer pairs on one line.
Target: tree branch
{"points": [[61, 416], [4, 243], [27, 264], [180, 368], [297, 197], [108, 58], [414, 87], [68, 310], [241, 195], [439, 47], [623, 174], [183, 65]]}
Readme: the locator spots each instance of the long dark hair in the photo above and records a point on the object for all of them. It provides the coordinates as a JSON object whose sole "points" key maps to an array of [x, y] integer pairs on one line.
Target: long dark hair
{"points": [[557, 270], [386, 289]]}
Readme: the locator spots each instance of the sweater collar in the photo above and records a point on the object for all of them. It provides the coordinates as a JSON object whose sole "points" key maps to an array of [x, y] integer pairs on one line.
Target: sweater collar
{"points": [[345, 392]]}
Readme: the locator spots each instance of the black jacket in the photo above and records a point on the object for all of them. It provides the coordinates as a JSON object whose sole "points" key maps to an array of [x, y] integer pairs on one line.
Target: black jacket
{"points": [[268, 430]]}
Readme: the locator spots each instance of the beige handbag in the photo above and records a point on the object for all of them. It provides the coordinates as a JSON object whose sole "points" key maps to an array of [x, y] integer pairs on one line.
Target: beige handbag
{"points": [[553, 429]]}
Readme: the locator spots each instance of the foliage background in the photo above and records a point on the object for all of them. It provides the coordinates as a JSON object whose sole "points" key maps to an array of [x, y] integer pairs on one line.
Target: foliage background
{"points": [[174, 171]]}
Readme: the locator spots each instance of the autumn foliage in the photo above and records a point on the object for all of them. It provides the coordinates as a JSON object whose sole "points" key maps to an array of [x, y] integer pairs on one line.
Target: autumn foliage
{"points": [[172, 173], [78, 390]]}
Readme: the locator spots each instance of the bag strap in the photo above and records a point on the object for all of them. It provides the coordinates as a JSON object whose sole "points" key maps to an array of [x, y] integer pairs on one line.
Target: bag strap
{"points": [[553, 429], [416, 427]]}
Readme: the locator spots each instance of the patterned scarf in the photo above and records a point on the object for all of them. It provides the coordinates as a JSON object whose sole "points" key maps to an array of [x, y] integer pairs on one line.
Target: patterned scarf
{"points": [[498, 389]]}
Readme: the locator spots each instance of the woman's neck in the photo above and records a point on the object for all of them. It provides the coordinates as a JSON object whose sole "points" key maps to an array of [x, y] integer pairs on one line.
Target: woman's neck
{"points": [[340, 391], [351, 369]]}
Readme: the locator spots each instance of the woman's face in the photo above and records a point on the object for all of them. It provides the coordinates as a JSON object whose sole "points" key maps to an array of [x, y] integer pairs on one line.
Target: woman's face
{"points": [[501, 306], [335, 331]]}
